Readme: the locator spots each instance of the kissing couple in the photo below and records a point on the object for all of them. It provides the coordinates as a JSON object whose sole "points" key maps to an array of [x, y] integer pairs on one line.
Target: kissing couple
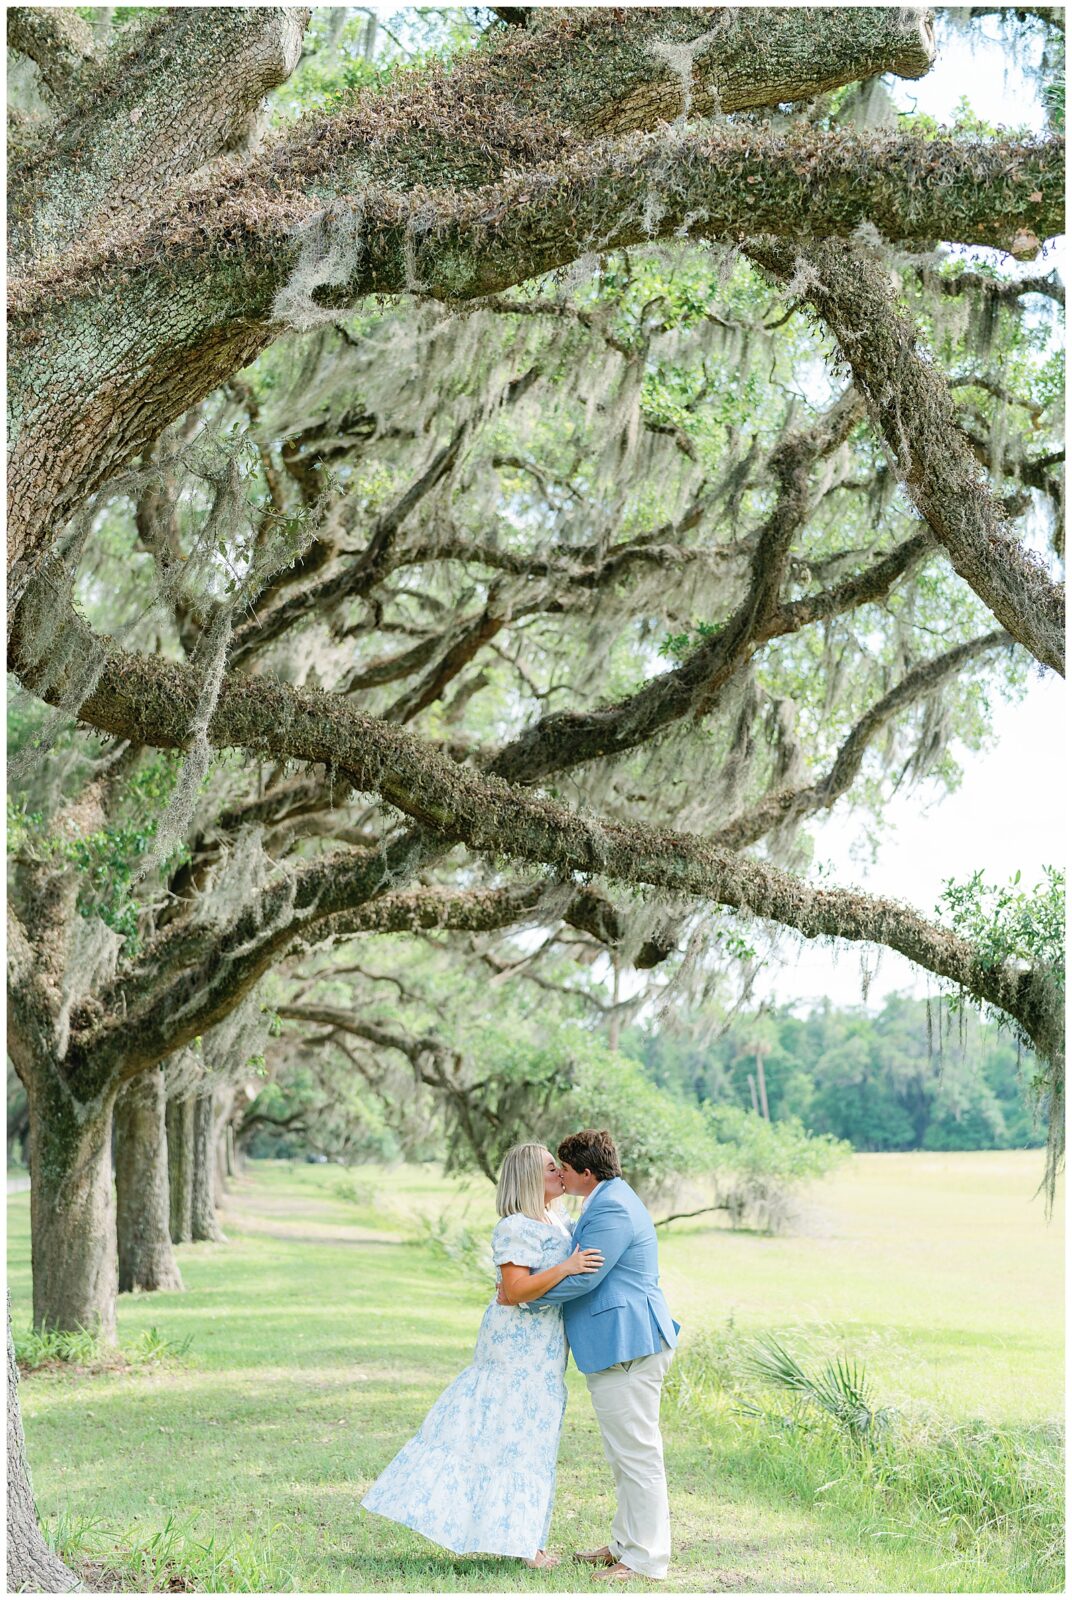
{"points": [[479, 1477]]}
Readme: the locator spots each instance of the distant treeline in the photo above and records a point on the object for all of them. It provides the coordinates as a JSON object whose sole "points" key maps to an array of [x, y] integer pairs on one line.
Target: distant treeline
{"points": [[916, 1076]]}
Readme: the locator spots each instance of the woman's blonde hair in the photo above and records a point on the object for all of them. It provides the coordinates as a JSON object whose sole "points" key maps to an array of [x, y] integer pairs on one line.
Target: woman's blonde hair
{"points": [[521, 1182]]}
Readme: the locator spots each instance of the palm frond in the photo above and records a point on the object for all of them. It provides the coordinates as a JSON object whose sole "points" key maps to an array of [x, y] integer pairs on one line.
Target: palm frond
{"points": [[769, 1359]]}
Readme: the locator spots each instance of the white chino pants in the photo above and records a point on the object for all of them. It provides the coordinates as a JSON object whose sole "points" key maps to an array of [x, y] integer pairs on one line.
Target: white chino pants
{"points": [[626, 1403]]}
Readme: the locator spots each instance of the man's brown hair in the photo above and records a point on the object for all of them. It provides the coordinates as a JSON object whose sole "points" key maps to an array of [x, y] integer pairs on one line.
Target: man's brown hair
{"points": [[592, 1150]]}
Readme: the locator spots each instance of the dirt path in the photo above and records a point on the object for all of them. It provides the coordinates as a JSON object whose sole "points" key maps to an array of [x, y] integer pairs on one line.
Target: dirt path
{"points": [[247, 1208]]}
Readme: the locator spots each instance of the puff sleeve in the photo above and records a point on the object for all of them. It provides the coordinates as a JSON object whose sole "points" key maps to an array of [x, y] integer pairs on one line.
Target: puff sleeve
{"points": [[518, 1239]]}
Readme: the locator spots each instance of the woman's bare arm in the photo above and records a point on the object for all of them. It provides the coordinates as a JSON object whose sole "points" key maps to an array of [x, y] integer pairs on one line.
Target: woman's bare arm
{"points": [[519, 1284]]}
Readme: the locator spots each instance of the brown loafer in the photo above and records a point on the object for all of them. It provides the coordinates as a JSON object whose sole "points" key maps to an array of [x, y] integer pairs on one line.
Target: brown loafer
{"points": [[596, 1558]]}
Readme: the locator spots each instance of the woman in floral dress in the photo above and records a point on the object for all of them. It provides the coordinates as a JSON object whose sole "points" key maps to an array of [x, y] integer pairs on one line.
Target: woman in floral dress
{"points": [[479, 1476]]}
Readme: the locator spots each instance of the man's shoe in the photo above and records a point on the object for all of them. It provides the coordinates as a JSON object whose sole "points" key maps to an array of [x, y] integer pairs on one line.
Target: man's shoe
{"points": [[602, 1557]]}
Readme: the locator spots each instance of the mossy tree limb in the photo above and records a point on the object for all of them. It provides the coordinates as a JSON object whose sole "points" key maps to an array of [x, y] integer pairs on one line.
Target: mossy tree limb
{"points": [[167, 1002], [805, 799], [58, 41], [913, 411], [185, 89], [152, 702], [120, 335]]}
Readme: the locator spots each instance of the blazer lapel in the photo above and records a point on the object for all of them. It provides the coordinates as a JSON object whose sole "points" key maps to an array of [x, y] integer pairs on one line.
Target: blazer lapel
{"points": [[598, 1196]]}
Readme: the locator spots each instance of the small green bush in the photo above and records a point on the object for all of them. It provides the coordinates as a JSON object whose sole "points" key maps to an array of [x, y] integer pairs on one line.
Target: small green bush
{"points": [[79, 1347], [464, 1247], [758, 1164]]}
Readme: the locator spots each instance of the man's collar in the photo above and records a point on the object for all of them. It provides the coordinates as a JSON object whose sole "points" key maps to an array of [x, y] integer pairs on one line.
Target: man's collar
{"points": [[590, 1197]]}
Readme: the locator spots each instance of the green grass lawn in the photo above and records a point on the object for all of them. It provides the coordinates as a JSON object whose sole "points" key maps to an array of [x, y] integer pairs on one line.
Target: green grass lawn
{"points": [[326, 1325]]}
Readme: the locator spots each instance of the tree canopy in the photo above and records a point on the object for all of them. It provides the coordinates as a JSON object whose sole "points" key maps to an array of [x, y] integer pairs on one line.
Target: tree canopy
{"points": [[515, 491]]}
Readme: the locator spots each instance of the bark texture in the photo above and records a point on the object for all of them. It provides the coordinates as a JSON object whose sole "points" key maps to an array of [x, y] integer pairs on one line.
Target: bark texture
{"points": [[180, 1152], [57, 40], [204, 1224], [143, 1202], [31, 1566], [72, 1211], [183, 93]]}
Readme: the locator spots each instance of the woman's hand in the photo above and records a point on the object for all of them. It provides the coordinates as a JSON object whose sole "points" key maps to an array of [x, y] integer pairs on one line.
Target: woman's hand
{"points": [[583, 1261]]}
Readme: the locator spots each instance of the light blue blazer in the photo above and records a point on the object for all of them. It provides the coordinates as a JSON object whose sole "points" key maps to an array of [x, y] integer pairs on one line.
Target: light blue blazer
{"points": [[619, 1312]]}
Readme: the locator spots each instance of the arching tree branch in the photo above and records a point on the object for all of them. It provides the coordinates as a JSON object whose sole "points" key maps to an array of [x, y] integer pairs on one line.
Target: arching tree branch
{"points": [[497, 818], [728, 183], [912, 409]]}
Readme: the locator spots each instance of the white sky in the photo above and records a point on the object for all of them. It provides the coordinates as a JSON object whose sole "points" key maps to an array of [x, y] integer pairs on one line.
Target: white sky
{"points": [[1011, 810], [978, 64]]}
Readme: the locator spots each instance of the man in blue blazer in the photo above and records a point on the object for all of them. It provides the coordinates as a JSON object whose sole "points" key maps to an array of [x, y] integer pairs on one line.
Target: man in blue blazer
{"points": [[622, 1337]]}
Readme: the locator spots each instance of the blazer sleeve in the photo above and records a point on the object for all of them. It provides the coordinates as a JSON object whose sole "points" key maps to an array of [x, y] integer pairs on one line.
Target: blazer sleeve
{"points": [[611, 1231]]}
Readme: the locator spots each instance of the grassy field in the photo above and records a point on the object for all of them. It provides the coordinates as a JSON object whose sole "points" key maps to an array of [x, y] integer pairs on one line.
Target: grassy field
{"points": [[329, 1321]]}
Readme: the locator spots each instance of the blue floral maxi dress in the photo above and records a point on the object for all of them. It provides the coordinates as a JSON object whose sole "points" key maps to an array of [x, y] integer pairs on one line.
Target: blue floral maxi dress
{"points": [[480, 1474]]}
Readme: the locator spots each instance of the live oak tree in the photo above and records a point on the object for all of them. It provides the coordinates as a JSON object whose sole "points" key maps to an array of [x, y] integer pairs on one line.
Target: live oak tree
{"points": [[455, 217], [554, 472]]}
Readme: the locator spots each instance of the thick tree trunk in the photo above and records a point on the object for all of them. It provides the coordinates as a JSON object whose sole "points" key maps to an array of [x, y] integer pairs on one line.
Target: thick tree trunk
{"points": [[203, 1222], [72, 1212], [18, 1136], [143, 1204], [31, 1566], [223, 1107], [221, 1167], [180, 1152]]}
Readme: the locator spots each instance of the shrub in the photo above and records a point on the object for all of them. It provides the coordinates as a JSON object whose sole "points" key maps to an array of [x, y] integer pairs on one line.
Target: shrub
{"points": [[52, 1347], [759, 1164], [839, 1392], [660, 1140]]}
